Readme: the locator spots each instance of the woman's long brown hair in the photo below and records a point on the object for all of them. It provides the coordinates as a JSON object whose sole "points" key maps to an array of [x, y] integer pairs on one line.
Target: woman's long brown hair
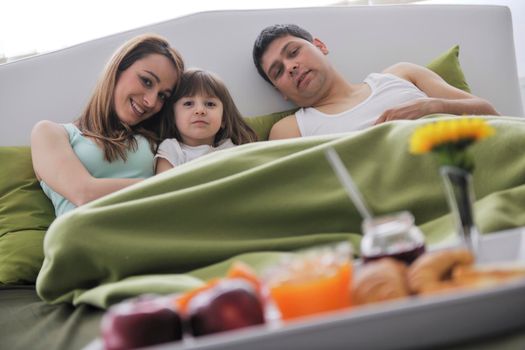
{"points": [[99, 119]]}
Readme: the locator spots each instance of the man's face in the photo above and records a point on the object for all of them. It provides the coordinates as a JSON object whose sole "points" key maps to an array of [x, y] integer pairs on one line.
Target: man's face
{"points": [[297, 68]]}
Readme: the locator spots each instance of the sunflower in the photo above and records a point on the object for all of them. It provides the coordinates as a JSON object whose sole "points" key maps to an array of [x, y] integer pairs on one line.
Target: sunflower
{"points": [[449, 139]]}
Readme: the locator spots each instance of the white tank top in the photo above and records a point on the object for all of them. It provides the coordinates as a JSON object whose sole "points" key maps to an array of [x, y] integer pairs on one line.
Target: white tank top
{"points": [[387, 91]]}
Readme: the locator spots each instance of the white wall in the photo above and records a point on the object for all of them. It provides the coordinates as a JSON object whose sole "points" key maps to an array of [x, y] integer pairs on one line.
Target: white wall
{"points": [[517, 8]]}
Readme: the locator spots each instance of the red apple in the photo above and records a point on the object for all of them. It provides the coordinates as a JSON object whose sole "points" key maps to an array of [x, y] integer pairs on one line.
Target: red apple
{"points": [[231, 304], [140, 322]]}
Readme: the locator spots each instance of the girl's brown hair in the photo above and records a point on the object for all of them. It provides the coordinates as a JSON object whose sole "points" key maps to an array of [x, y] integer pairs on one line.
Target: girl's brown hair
{"points": [[99, 119], [198, 81]]}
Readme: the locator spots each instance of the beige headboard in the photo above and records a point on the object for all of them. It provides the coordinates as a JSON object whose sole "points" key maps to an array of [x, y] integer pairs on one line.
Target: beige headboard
{"points": [[361, 39]]}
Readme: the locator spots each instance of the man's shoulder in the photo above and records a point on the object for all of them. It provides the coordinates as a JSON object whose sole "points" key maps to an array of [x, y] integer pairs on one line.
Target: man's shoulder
{"points": [[403, 69], [285, 128]]}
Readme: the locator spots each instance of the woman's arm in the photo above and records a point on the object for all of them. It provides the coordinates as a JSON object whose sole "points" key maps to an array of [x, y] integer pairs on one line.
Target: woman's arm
{"points": [[162, 165], [55, 162], [442, 97]]}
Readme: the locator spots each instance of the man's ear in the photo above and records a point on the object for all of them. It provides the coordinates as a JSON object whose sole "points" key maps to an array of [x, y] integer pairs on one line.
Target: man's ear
{"points": [[321, 46]]}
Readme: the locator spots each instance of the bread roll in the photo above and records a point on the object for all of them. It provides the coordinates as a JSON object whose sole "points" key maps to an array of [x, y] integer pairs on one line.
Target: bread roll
{"points": [[432, 271], [486, 275], [380, 280]]}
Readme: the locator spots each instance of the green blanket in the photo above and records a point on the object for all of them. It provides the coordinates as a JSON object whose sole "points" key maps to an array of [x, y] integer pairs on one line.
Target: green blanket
{"points": [[173, 231]]}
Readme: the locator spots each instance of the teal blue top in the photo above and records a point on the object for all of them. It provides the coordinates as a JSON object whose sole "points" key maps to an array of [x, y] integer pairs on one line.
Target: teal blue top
{"points": [[139, 164]]}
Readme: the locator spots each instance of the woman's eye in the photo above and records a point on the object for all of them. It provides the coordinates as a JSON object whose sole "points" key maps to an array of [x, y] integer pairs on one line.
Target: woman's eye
{"points": [[163, 97], [294, 52], [146, 81]]}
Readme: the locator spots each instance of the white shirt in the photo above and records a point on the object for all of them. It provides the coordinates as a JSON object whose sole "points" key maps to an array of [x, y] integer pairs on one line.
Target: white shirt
{"points": [[177, 153], [387, 91]]}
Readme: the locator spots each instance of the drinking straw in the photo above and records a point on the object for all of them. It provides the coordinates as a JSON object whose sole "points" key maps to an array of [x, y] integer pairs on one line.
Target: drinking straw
{"points": [[346, 180]]}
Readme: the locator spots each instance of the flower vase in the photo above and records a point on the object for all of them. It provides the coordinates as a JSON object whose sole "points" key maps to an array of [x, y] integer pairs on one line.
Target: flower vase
{"points": [[460, 197]]}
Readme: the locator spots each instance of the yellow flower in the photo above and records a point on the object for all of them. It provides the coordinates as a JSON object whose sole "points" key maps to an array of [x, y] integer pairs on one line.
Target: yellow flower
{"points": [[449, 139], [459, 132]]}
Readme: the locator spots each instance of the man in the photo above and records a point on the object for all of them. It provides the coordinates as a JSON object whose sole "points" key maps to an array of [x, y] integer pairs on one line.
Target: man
{"points": [[289, 58]]}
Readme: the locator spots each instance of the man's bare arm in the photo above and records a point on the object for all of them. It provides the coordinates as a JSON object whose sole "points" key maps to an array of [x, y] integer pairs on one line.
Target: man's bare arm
{"points": [[442, 97], [285, 128]]}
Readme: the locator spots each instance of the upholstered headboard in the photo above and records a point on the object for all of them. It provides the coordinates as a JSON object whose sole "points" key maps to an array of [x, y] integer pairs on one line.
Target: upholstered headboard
{"points": [[361, 39]]}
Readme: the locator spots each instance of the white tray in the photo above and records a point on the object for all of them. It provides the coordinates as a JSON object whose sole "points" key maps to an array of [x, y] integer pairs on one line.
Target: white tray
{"points": [[412, 323]]}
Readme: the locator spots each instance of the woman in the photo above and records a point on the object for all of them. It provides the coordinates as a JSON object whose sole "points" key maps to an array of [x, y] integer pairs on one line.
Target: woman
{"points": [[112, 144]]}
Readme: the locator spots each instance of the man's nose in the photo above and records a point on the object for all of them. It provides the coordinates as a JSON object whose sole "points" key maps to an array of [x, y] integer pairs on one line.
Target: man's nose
{"points": [[292, 69]]}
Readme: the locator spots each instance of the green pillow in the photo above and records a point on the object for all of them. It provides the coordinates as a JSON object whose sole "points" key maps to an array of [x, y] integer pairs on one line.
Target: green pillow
{"points": [[263, 123], [21, 256], [447, 66], [25, 215]]}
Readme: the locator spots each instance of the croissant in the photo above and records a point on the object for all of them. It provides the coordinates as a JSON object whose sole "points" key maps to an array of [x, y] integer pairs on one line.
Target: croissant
{"points": [[380, 280], [433, 271], [485, 276]]}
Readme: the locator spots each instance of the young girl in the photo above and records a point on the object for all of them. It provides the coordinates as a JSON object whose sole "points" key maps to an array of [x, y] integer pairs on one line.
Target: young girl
{"points": [[113, 142], [206, 120]]}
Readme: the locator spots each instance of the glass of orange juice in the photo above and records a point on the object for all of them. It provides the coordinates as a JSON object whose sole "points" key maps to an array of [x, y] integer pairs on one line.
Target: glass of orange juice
{"points": [[312, 281]]}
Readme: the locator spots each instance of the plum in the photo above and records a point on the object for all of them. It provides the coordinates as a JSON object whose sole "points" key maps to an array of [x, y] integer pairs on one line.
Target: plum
{"points": [[140, 322], [230, 304]]}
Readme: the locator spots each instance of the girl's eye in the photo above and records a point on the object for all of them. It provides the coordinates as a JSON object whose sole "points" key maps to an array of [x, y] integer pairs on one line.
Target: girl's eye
{"points": [[187, 103], [210, 104], [294, 52]]}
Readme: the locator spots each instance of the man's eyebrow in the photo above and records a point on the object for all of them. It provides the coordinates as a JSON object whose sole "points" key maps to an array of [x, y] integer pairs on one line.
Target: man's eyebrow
{"points": [[283, 50]]}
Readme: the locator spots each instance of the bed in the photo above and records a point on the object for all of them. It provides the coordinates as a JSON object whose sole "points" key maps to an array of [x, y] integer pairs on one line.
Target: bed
{"points": [[271, 205]]}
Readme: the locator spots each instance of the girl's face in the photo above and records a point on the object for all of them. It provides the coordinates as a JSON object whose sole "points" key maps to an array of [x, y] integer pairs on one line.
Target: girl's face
{"points": [[142, 89], [198, 119]]}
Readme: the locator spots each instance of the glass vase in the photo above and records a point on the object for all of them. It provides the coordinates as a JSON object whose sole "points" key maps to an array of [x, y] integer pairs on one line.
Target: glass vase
{"points": [[460, 197]]}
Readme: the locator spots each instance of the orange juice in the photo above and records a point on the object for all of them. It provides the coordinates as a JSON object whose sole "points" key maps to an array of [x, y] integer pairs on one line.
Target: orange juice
{"points": [[317, 282], [321, 294]]}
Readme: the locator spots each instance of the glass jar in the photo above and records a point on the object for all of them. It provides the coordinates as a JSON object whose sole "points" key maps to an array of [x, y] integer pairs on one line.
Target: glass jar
{"points": [[312, 281], [393, 236]]}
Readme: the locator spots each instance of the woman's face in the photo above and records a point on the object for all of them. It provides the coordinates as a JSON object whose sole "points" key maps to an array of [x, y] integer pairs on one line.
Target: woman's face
{"points": [[143, 88]]}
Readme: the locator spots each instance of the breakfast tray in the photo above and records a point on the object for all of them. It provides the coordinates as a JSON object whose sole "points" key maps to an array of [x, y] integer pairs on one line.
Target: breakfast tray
{"points": [[412, 323]]}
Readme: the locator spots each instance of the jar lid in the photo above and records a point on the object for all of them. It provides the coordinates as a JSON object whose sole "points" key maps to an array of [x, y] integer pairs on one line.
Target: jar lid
{"points": [[389, 225]]}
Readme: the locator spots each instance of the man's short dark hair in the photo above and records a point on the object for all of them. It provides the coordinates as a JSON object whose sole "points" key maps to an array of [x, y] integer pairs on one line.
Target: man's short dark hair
{"points": [[268, 35]]}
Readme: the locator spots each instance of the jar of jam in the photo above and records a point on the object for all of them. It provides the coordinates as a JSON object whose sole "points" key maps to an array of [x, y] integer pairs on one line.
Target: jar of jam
{"points": [[393, 236]]}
